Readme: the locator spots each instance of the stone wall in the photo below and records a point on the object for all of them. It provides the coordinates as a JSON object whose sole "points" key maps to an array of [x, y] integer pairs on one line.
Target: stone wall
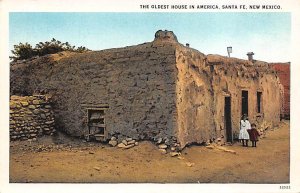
{"points": [[30, 117]]}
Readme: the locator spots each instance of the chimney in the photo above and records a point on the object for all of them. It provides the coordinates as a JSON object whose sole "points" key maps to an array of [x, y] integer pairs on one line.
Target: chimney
{"points": [[250, 56], [187, 45]]}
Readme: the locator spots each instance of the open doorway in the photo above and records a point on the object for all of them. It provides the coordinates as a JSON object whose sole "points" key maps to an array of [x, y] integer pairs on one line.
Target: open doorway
{"points": [[244, 102], [227, 119], [259, 94]]}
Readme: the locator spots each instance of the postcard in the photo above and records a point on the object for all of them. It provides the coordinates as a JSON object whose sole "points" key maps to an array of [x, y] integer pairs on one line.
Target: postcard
{"points": [[146, 96]]}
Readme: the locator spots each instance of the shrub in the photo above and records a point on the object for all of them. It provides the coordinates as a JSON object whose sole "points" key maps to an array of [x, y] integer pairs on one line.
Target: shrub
{"points": [[22, 52], [25, 51]]}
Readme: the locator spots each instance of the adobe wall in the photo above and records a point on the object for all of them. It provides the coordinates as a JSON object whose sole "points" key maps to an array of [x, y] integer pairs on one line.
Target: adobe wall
{"points": [[160, 89], [203, 82], [30, 117], [136, 83], [195, 104], [230, 77], [283, 71]]}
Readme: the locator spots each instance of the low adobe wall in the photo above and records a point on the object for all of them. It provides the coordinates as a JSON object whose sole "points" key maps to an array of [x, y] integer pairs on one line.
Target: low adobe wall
{"points": [[30, 117]]}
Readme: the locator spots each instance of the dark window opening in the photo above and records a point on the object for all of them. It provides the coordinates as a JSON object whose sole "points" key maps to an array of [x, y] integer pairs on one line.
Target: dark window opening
{"points": [[259, 94], [245, 102]]}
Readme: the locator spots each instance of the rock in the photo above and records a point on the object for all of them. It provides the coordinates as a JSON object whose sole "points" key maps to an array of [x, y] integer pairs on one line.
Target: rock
{"points": [[24, 104], [36, 111], [47, 106], [128, 139], [163, 151], [12, 105], [226, 150], [173, 148], [162, 146], [124, 142], [167, 141], [113, 138], [49, 122], [31, 107], [91, 152], [131, 142], [129, 146], [173, 154], [97, 168], [219, 139], [190, 164], [121, 145], [210, 147], [113, 143], [159, 140], [136, 143], [43, 116], [181, 158], [36, 102], [46, 110]]}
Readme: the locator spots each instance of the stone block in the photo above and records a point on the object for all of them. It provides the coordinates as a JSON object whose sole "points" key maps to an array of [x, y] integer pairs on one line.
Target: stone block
{"points": [[124, 142], [31, 107], [162, 146], [43, 116], [162, 151], [49, 122], [113, 143], [36, 111], [24, 103], [36, 102]]}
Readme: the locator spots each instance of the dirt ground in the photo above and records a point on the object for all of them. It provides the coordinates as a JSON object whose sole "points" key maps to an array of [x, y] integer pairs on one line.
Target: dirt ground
{"points": [[50, 160]]}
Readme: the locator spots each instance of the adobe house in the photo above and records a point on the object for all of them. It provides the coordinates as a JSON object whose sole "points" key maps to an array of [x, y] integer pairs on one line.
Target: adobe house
{"points": [[159, 89]]}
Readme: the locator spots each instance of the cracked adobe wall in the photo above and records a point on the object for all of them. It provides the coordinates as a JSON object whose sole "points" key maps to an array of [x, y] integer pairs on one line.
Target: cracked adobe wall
{"points": [[137, 83], [194, 97], [203, 82], [230, 77], [157, 89]]}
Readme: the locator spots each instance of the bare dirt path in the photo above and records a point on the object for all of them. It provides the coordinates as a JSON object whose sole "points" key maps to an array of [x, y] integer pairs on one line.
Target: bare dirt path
{"points": [[268, 163]]}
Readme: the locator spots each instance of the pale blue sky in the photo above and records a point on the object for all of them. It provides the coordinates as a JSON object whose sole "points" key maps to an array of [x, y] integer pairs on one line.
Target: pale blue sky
{"points": [[266, 34]]}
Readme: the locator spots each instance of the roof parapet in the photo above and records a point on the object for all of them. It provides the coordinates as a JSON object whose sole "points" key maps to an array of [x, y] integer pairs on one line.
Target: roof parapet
{"points": [[165, 36]]}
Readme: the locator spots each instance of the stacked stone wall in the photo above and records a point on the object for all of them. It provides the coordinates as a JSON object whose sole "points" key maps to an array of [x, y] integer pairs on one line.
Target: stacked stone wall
{"points": [[30, 117]]}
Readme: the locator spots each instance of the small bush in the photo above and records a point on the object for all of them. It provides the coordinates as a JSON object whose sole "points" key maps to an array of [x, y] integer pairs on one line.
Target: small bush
{"points": [[22, 52], [25, 51]]}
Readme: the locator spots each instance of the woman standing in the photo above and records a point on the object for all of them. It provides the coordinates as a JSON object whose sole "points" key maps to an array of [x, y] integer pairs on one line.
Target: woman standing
{"points": [[244, 126]]}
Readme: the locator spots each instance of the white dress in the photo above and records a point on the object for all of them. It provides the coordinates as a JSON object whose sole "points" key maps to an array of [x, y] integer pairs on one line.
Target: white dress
{"points": [[243, 130]]}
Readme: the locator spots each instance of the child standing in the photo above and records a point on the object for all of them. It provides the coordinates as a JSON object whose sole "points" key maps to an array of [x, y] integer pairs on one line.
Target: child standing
{"points": [[253, 133], [244, 126]]}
